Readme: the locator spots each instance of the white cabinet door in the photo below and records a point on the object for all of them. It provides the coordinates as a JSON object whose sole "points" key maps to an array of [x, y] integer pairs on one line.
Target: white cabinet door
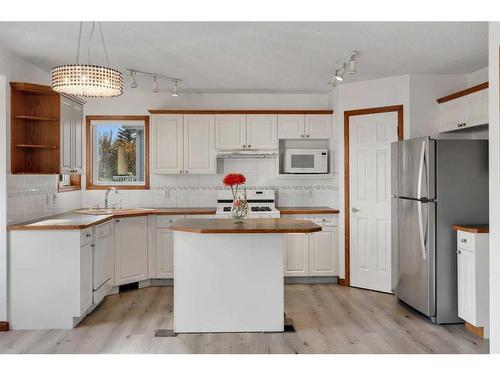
{"points": [[291, 127], [323, 253], [262, 132], [452, 114], [477, 108], [318, 126], [66, 135], [164, 254], [230, 132], [199, 144], [167, 144], [131, 249], [466, 286], [296, 254], [103, 259], [85, 277], [77, 151]]}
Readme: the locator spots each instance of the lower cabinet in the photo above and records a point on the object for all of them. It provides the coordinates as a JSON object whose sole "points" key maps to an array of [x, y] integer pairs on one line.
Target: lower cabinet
{"points": [[86, 277], [131, 249], [164, 254], [313, 254]]}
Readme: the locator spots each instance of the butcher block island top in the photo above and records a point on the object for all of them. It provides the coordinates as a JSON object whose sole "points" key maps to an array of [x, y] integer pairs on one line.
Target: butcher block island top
{"points": [[227, 226]]}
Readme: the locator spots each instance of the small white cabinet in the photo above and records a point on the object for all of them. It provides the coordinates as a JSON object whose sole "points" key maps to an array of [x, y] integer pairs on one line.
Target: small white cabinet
{"points": [[85, 277], [464, 112], [472, 278], [131, 249], [314, 126], [183, 144], [246, 132], [313, 254], [71, 136]]}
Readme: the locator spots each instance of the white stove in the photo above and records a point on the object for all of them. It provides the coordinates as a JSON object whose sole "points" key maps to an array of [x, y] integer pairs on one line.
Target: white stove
{"points": [[261, 204]]}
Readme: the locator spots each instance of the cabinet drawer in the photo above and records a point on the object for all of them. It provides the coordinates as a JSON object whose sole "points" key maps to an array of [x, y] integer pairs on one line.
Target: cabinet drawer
{"points": [[103, 229], [164, 221], [86, 236], [466, 240], [331, 220]]}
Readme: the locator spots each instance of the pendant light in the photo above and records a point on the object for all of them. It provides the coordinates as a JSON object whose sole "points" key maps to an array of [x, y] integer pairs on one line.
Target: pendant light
{"points": [[87, 80], [175, 89]]}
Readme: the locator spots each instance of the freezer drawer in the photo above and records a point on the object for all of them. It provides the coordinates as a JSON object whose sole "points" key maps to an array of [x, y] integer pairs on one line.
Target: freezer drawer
{"points": [[416, 169], [415, 284]]}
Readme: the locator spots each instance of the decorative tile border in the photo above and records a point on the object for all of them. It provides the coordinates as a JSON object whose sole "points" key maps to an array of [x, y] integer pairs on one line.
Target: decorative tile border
{"points": [[219, 187]]}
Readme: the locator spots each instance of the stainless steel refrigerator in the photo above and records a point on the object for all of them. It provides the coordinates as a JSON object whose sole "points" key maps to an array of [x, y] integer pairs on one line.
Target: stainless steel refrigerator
{"points": [[435, 184]]}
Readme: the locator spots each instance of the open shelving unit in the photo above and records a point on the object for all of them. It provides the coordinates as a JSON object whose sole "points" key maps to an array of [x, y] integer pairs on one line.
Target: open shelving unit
{"points": [[35, 129]]}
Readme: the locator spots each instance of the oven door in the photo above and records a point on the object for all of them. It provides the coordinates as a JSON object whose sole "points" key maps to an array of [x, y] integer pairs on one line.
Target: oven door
{"points": [[302, 161]]}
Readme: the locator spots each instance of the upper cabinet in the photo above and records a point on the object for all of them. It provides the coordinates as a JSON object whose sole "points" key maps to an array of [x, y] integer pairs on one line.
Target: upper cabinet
{"points": [[182, 144], [464, 109], [246, 132], [309, 126], [71, 136], [46, 131]]}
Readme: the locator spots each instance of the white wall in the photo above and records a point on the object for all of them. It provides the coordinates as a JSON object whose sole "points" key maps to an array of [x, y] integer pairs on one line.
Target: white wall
{"points": [[494, 145]]}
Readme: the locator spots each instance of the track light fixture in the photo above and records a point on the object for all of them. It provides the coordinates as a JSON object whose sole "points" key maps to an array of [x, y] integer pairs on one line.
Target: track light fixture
{"points": [[175, 89], [347, 64], [156, 79]]}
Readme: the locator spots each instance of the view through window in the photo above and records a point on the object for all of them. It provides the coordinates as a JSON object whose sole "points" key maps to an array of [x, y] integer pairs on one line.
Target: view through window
{"points": [[119, 152]]}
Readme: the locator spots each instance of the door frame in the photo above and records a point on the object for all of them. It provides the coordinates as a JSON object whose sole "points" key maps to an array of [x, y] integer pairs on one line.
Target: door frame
{"points": [[346, 281]]}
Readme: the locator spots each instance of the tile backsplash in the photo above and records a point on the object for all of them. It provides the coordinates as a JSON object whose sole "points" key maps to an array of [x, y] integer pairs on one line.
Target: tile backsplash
{"points": [[31, 197]]}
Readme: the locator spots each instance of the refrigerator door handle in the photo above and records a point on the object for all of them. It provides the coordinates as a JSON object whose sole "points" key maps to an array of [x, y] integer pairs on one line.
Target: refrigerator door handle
{"points": [[421, 171], [421, 231]]}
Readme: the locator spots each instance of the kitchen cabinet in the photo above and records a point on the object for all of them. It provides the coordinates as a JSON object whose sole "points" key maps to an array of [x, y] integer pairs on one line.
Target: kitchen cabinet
{"points": [[313, 254], [85, 277], [473, 279], [304, 126], [464, 112], [199, 144], [103, 261], [71, 136], [246, 132], [164, 254], [183, 144], [131, 249]]}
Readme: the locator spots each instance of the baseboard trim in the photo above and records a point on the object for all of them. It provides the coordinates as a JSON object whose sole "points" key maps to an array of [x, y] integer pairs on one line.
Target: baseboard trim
{"points": [[342, 282], [478, 331], [4, 326], [311, 280]]}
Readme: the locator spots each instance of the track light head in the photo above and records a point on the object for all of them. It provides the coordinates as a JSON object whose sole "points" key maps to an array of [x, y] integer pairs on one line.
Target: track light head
{"points": [[133, 83], [339, 74], [351, 66], [155, 84], [175, 89]]}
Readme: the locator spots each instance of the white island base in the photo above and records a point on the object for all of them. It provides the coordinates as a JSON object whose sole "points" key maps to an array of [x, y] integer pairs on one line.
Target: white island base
{"points": [[228, 282]]}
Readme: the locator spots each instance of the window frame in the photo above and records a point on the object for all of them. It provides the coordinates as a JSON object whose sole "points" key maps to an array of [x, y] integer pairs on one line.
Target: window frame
{"points": [[89, 167]]}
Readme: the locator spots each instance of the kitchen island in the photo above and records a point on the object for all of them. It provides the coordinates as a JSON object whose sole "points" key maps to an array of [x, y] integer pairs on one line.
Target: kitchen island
{"points": [[229, 277]]}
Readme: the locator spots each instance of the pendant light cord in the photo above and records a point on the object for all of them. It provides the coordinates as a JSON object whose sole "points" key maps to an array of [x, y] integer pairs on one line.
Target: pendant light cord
{"points": [[104, 45], [90, 41], [79, 43]]}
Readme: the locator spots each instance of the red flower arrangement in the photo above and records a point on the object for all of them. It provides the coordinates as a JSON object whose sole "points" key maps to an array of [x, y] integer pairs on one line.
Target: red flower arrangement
{"points": [[234, 179]]}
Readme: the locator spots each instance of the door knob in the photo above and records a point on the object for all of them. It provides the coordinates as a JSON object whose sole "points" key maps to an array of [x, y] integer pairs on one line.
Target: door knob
{"points": [[354, 210]]}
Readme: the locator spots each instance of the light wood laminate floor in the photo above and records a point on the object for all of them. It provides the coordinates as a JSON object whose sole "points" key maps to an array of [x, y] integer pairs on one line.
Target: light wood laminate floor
{"points": [[328, 319]]}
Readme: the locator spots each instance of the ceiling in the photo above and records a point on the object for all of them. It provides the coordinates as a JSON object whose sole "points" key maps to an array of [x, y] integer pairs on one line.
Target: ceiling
{"points": [[286, 57]]}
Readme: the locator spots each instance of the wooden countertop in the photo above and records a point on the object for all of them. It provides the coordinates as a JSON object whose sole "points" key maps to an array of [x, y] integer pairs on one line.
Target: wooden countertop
{"points": [[307, 210], [79, 219], [480, 228], [227, 226]]}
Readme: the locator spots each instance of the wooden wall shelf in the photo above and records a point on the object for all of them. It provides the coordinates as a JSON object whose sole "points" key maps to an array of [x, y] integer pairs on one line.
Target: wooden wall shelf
{"points": [[35, 129]]}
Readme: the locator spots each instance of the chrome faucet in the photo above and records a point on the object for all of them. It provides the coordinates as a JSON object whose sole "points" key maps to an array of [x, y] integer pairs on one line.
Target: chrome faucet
{"points": [[106, 195]]}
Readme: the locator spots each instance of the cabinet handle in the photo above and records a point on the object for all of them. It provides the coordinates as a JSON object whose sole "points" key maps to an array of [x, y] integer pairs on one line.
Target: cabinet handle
{"points": [[185, 171], [117, 221], [307, 136], [249, 146], [87, 235], [459, 251], [180, 171], [302, 136], [463, 240], [244, 146]]}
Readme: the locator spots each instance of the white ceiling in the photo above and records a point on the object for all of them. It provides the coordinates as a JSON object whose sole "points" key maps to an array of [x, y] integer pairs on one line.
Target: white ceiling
{"points": [[258, 56]]}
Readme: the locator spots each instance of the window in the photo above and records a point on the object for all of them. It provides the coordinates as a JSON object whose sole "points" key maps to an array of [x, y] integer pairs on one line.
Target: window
{"points": [[117, 152]]}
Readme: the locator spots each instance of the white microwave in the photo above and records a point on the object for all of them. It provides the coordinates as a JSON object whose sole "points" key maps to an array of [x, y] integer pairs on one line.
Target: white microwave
{"points": [[301, 161]]}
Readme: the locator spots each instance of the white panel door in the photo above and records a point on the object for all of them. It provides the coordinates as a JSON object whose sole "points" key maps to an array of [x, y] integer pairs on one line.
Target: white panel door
{"points": [[296, 254], [85, 277], [167, 144], [477, 108], [466, 285], [66, 135], [230, 132], [318, 126], [262, 132], [77, 113], [370, 137], [164, 254], [323, 253], [199, 144], [131, 249], [291, 127]]}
